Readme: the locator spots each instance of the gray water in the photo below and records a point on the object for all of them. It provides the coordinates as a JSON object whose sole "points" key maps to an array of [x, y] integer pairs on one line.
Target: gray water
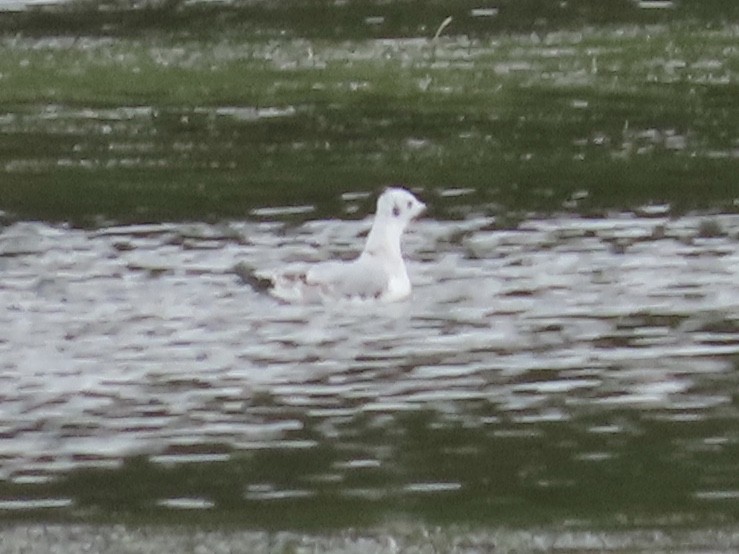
{"points": [[557, 382], [532, 366]]}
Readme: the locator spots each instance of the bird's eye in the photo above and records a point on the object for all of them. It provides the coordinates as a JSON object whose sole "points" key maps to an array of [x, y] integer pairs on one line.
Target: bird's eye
{"points": [[396, 210], [410, 204]]}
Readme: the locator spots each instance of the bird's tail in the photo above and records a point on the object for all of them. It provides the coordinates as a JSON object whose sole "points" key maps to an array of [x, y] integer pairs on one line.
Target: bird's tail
{"points": [[248, 276]]}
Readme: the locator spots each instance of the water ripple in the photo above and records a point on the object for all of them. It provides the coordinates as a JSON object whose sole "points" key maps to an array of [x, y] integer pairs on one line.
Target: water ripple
{"points": [[140, 340]]}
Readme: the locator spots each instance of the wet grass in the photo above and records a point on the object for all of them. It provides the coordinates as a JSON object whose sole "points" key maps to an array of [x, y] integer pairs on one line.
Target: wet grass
{"points": [[256, 110]]}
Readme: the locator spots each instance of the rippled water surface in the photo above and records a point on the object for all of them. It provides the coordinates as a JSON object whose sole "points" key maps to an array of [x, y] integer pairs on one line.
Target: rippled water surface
{"points": [[572, 366], [565, 375]]}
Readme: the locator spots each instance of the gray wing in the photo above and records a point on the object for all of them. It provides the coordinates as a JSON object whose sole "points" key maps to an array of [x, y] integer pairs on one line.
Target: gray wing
{"points": [[360, 277]]}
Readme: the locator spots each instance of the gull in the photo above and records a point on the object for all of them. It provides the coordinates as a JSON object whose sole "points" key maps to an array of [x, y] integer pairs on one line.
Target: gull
{"points": [[378, 273]]}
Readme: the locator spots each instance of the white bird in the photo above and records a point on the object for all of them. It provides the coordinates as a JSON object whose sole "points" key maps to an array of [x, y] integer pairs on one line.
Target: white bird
{"points": [[378, 273]]}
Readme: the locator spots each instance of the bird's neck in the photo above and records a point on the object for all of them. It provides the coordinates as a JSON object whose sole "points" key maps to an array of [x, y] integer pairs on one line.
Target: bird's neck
{"points": [[384, 240]]}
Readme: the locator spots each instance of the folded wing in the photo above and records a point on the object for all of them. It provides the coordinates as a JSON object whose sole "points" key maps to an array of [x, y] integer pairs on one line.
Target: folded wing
{"points": [[358, 278]]}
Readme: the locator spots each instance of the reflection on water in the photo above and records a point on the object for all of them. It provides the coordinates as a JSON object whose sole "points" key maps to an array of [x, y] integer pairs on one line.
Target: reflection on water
{"points": [[166, 125], [567, 367]]}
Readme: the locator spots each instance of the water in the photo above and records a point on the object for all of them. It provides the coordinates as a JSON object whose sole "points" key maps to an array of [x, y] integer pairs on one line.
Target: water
{"points": [[565, 374], [163, 126], [534, 370]]}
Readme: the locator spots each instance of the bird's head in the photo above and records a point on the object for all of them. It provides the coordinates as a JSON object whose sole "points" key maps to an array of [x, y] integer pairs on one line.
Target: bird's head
{"points": [[397, 205]]}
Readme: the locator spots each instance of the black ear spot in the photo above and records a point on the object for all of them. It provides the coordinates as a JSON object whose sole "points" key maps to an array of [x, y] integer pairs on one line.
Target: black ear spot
{"points": [[396, 210], [410, 204]]}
